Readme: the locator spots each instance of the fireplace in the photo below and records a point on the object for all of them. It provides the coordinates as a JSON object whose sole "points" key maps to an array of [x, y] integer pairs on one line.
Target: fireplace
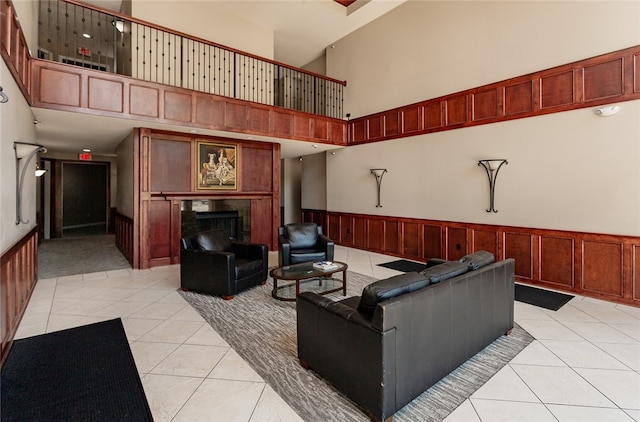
{"points": [[233, 215]]}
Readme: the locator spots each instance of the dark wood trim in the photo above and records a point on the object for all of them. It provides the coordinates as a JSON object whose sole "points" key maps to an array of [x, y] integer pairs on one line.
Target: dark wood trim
{"points": [[18, 275], [603, 266], [124, 236], [58, 86], [604, 79], [14, 49]]}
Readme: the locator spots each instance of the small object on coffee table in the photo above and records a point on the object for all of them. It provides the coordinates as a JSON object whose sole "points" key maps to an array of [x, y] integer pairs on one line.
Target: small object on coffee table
{"points": [[307, 278], [325, 265]]}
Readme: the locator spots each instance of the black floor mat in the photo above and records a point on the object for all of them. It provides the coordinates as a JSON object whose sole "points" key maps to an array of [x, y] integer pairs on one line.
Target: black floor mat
{"points": [[404, 265], [80, 374], [540, 297]]}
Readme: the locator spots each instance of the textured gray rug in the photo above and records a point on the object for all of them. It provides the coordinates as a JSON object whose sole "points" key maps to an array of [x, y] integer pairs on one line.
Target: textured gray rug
{"points": [[263, 331], [79, 255]]}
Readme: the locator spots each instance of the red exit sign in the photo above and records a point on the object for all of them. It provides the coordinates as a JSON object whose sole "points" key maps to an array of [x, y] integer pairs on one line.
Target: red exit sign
{"points": [[85, 156]]}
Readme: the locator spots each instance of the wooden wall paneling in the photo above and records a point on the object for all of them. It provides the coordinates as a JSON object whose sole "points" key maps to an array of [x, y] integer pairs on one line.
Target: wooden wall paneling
{"points": [[235, 115], [170, 166], [603, 80], [106, 95], [175, 230], [518, 98], [432, 240], [602, 267], [346, 231], [412, 240], [337, 132], [485, 104], [177, 106], [557, 89], [256, 169], [59, 87], [412, 119], [485, 240], [392, 124], [360, 232], [635, 73], [282, 122], [210, 112], [144, 101], [261, 221], [519, 246], [301, 126], [320, 129], [556, 260], [375, 127], [124, 236], [457, 107], [433, 114], [392, 237], [358, 131], [333, 227], [160, 231], [635, 275], [375, 236], [456, 242]]}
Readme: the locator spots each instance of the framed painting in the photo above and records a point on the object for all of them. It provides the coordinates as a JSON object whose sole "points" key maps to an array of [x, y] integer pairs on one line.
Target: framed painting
{"points": [[217, 166]]}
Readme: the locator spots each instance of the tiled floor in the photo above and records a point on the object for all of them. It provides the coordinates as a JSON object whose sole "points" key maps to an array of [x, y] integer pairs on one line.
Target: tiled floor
{"points": [[583, 366]]}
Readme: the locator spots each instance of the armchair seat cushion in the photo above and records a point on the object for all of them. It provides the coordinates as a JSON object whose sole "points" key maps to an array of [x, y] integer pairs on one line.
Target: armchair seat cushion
{"points": [[245, 267], [307, 255]]}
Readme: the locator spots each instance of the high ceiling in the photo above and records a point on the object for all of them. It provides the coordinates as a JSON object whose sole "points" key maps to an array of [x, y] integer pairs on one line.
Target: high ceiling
{"points": [[298, 40]]}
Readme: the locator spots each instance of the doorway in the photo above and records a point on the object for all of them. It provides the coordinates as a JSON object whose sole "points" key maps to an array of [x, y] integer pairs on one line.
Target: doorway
{"points": [[85, 198]]}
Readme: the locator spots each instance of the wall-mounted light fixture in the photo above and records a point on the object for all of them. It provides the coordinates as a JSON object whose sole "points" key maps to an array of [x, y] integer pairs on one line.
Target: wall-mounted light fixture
{"points": [[607, 111], [118, 24], [28, 151], [3, 96], [492, 167], [378, 173]]}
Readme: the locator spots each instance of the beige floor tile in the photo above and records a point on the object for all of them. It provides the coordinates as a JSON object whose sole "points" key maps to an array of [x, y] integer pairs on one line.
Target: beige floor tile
{"points": [[235, 401], [148, 355], [463, 413], [582, 354], [536, 354], [509, 411], [207, 336], [587, 414], [233, 367], [137, 327], [272, 408], [170, 331], [621, 387], [167, 394], [628, 354], [191, 361], [506, 385]]}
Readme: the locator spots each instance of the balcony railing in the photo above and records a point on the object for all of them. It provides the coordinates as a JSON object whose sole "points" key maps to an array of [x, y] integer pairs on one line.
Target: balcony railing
{"points": [[95, 38]]}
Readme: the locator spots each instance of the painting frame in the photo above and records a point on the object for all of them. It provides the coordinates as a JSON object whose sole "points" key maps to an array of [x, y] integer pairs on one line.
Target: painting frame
{"points": [[217, 166]]}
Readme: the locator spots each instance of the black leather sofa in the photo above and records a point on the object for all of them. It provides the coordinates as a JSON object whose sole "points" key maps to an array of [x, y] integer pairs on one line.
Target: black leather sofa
{"points": [[211, 263], [405, 333], [303, 242]]}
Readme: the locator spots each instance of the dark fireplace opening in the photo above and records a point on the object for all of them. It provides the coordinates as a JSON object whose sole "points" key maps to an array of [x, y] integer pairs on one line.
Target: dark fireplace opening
{"points": [[233, 215]]}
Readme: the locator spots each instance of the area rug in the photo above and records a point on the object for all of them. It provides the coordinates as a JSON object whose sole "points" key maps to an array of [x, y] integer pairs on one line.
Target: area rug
{"points": [[79, 255], [80, 374], [404, 265], [263, 332], [539, 297]]}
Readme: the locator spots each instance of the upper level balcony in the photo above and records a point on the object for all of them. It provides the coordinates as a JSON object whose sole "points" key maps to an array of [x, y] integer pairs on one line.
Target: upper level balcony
{"points": [[74, 33]]}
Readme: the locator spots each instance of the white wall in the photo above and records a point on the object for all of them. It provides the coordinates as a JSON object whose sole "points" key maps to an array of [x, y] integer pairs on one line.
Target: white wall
{"points": [[568, 171], [424, 49], [313, 182], [16, 123], [291, 188], [124, 163], [202, 19], [27, 12]]}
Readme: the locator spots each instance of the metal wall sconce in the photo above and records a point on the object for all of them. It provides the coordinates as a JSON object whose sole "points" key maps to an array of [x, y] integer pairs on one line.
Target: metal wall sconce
{"points": [[3, 96], [378, 173], [607, 111], [492, 167], [23, 150]]}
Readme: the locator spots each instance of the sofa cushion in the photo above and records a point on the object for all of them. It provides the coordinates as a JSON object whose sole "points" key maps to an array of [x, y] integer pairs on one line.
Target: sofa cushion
{"points": [[212, 240], [388, 288], [478, 259], [444, 271], [302, 235]]}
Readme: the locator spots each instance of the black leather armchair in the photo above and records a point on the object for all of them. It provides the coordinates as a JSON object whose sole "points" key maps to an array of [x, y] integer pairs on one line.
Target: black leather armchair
{"points": [[211, 263], [303, 242]]}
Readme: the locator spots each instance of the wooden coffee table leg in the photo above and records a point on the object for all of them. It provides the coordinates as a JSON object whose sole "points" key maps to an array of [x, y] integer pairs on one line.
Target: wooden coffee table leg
{"points": [[344, 283]]}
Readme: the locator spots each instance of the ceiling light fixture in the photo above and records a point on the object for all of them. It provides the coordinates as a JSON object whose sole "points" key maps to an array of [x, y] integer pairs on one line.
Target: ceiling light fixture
{"points": [[86, 35]]}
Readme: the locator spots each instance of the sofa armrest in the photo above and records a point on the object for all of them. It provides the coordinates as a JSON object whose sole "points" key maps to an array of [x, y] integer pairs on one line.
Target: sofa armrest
{"points": [[326, 244], [432, 262], [339, 344]]}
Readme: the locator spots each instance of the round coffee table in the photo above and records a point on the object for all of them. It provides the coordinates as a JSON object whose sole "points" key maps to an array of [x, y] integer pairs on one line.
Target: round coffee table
{"points": [[307, 278]]}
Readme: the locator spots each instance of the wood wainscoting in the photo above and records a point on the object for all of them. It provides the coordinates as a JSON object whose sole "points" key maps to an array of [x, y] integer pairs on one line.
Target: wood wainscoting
{"points": [[602, 266], [18, 278], [124, 236]]}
